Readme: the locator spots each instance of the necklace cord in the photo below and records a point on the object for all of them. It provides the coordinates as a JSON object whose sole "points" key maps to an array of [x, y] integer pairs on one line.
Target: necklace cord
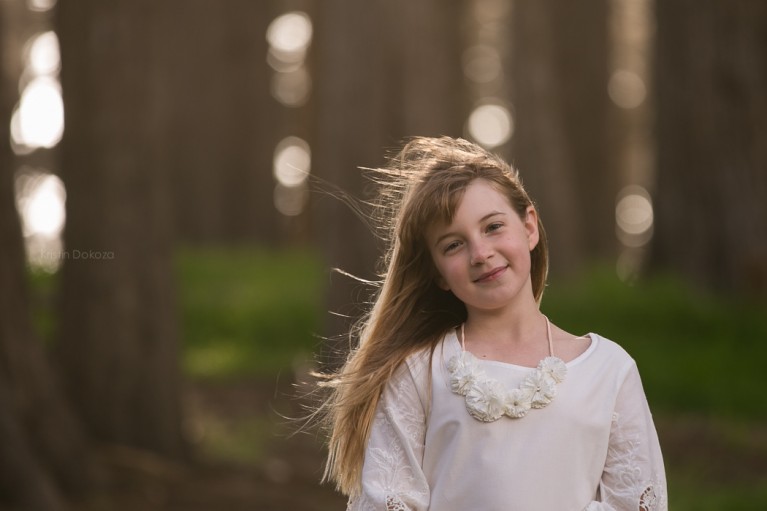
{"points": [[548, 336]]}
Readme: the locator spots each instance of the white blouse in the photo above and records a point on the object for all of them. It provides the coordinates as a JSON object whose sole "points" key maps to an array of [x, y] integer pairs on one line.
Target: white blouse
{"points": [[593, 448]]}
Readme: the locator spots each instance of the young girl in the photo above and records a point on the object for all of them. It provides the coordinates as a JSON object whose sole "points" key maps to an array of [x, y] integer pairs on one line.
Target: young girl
{"points": [[461, 394]]}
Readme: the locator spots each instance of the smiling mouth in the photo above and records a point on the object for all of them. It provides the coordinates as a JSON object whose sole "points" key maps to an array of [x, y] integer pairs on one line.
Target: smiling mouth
{"points": [[492, 274]]}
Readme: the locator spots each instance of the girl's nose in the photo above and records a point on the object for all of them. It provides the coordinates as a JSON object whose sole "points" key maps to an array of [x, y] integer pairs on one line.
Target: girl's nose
{"points": [[480, 252]]}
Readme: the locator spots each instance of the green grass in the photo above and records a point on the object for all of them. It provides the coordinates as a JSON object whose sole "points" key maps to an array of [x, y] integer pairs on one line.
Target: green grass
{"points": [[247, 311], [688, 494], [244, 311]]}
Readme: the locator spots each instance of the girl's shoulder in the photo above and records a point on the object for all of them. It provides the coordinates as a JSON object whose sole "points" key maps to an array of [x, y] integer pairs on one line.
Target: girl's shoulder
{"points": [[422, 359], [610, 354], [608, 346], [577, 348]]}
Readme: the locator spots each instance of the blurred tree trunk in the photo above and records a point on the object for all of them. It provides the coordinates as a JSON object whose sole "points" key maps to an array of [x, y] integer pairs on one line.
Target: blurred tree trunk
{"points": [[385, 71], [711, 202], [247, 172], [42, 450], [541, 150], [582, 58], [560, 145], [351, 131], [429, 96], [118, 339], [221, 125], [41, 446]]}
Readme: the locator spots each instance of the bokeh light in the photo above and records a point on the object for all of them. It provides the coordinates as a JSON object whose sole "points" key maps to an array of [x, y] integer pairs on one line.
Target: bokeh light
{"points": [[291, 200], [490, 11], [490, 125], [292, 161], [292, 165], [634, 216], [289, 36], [626, 89], [39, 119], [292, 88], [43, 54], [41, 5], [40, 200]]}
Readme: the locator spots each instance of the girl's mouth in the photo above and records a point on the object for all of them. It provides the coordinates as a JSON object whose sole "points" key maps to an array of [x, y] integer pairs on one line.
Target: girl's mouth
{"points": [[491, 275]]}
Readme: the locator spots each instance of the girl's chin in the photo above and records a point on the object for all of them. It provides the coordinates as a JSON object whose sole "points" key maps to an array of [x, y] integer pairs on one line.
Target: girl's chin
{"points": [[501, 301]]}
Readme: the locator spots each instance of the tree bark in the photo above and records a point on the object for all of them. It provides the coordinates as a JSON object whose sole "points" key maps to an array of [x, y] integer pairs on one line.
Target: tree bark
{"points": [[118, 339], [581, 58], [427, 43], [711, 201], [221, 127]]}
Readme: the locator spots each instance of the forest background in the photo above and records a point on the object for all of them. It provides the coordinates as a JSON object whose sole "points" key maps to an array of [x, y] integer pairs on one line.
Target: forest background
{"points": [[170, 221]]}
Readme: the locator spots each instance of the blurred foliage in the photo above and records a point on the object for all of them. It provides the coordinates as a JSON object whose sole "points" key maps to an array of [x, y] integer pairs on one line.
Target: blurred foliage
{"points": [[247, 311], [696, 352], [244, 311], [255, 312], [688, 494], [243, 441]]}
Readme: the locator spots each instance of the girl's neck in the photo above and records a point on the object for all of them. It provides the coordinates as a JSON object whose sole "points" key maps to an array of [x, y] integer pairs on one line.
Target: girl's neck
{"points": [[513, 327]]}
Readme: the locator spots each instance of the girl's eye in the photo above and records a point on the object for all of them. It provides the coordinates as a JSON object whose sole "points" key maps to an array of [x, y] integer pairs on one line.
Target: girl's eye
{"points": [[451, 246], [494, 226]]}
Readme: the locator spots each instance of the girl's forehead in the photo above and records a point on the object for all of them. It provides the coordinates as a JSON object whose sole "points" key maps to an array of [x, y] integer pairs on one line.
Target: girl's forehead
{"points": [[479, 200], [479, 196]]}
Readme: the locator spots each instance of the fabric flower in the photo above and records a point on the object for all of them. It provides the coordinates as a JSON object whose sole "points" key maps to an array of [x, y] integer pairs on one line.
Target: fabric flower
{"points": [[518, 403], [485, 400], [462, 372], [542, 389], [553, 368], [488, 400]]}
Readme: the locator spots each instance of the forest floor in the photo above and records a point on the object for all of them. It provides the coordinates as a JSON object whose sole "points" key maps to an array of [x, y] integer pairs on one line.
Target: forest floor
{"points": [[247, 460]]}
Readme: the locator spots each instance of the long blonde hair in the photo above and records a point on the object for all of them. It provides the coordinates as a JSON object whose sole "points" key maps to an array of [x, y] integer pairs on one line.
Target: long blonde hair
{"points": [[424, 183]]}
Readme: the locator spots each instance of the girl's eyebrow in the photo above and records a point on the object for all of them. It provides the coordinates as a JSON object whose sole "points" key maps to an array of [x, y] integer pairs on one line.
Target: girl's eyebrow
{"points": [[448, 234]]}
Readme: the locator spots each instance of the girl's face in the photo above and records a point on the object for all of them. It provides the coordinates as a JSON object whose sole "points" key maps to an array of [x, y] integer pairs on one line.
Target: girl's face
{"points": [[483, 256]]}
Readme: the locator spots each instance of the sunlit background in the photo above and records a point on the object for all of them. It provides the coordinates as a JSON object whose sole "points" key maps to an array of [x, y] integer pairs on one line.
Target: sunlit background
{"points": [[38, 119]]}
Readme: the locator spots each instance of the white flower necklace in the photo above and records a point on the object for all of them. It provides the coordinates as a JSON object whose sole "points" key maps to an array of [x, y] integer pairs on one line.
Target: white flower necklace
{"points": [[488, 400]]}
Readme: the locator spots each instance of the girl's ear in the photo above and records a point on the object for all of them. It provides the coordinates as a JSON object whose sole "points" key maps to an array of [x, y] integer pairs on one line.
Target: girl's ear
{"points": [[441, 282], [531, 226]]}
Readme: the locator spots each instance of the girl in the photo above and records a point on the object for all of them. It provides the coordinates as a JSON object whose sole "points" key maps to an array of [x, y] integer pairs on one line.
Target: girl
{"points": [[461, 395]]}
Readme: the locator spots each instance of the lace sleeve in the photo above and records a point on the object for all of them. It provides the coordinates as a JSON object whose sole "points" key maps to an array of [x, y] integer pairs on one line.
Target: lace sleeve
{"points": [[634, 477], [392, 477]]}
